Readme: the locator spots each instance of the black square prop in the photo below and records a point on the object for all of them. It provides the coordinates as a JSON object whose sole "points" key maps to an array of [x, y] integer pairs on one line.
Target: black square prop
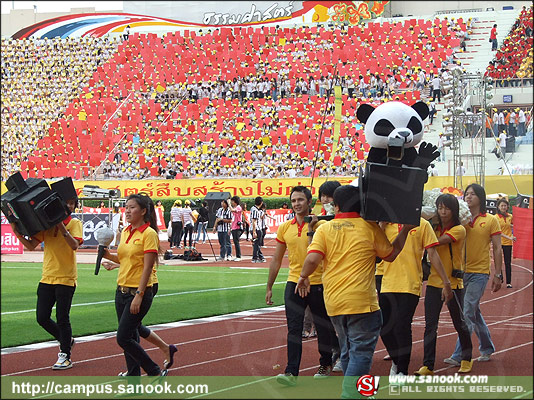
{"points": [[391, 193]]}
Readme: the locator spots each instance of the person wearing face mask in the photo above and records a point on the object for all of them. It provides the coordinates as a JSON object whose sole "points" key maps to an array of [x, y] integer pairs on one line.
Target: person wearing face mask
{"points": [[294, 236], [58, 281], [451, 238], [481, 231]]}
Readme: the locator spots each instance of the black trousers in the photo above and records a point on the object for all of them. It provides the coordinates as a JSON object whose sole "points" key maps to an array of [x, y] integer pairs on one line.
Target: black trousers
{"points": [[437, 95], [236, 234], [295, 307], [396, 333], [61, 296], [378, 282], [188, 230], [176, 233], [144, 332], [128, 333], [507, 253], [433, 304], [256, 247]]}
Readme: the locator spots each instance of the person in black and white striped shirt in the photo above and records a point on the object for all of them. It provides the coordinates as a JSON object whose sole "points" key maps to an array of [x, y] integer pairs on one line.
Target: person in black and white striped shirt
{"points": [[257, 223], [223, 220]]}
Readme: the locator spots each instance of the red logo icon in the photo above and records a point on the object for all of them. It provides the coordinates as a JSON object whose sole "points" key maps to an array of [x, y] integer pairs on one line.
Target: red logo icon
{"points": [[367, 385]]}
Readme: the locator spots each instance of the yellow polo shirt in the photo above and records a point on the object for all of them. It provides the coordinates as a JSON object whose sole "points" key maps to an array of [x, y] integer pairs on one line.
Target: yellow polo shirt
{"points": [[457, 234], [405, 274], [477, 242], [131, 252], [391, 230], [506, 228], [295, 237], [349, 246], [59, 260]]}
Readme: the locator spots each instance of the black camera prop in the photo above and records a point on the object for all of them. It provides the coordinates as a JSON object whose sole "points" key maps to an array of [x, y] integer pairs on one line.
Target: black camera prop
{"points": [[319, 217], [33, 206]]}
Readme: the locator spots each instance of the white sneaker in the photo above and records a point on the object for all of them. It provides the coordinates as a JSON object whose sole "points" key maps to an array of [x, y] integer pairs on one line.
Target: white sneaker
{"points": [[62, 362], [228, 258], [337, 366], [237, 259], [393, 370]]}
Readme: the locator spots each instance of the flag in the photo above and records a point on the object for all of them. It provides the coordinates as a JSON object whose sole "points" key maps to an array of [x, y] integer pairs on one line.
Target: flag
{"points": [[337, 119]]}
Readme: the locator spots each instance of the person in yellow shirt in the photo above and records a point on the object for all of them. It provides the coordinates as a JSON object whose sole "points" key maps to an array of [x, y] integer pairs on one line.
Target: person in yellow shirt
{"points": [[58, 281], [506, 222], [294, 236], [347, 247], [480, 232], [136, 255], [401, 288], [451, 238]]}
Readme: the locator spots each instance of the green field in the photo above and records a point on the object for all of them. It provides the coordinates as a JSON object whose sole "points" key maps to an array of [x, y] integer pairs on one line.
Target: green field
{"points": [[185, 292]]}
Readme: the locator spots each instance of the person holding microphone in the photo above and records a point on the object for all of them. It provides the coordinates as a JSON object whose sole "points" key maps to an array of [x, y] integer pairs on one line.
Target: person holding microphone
{"points": [[136, 255], [506, 222], [59, 279]]}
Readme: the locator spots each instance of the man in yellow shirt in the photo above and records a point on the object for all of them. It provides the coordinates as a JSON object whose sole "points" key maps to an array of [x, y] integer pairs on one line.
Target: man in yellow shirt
{"points": [[293, 235], [480, 232], [401, 288], [58, 281], [347, 246]]}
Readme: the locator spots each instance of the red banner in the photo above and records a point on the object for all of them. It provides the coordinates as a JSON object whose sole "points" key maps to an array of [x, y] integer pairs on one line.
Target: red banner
{"points": [[523, 232], [10, 244]]}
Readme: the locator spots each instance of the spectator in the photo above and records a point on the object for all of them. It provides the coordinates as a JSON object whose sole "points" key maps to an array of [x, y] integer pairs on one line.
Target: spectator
{"points": [[176, 224], [493, 38], [187, 223]]}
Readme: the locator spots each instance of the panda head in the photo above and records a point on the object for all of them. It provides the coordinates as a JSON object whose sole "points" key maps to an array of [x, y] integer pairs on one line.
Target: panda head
{"points": [[393, 119]]}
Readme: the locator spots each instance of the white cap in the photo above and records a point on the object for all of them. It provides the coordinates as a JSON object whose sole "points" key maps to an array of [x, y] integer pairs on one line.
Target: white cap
{"points": [[117, 204]]}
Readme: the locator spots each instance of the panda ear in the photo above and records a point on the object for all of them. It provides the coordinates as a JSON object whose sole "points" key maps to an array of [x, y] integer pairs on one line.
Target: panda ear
{"points": [[363, 113], [422, 109]]}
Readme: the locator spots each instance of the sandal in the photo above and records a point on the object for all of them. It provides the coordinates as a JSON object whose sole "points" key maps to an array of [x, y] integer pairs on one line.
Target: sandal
{"points": [[172, 350]]}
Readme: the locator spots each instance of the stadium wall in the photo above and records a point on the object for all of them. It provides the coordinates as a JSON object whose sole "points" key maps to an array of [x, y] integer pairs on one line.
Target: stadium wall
{"points": [[413, 8], [198, 188]]}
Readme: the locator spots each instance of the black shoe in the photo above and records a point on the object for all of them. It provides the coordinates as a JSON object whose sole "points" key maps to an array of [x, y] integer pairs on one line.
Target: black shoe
{"points": [[168, 364]]}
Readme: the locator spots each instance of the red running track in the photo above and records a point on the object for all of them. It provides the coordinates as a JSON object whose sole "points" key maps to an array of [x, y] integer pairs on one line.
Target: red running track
{"points": [[255, 344]]}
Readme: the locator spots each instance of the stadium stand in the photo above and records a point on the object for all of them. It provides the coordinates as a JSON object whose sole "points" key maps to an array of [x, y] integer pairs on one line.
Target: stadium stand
{"points": [[233, 102], [514, 58]]}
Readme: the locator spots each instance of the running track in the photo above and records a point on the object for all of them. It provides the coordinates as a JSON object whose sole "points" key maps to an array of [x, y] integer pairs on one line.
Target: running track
{"points": [[253, 343]]}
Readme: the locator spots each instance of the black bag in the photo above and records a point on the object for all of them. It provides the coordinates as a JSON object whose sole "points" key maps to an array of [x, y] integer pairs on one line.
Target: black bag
{"points": [[489, 40], [192, 255]]}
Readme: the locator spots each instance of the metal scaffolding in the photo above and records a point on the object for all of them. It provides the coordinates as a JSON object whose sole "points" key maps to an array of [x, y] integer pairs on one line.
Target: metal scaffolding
{"points": [[468, 128]]}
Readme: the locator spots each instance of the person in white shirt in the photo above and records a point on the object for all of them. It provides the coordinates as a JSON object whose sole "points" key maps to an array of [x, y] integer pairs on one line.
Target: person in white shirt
{"points": [[436, 88], [500, 119], [502, 143], [460, 171], [188, 223], [521, 123]]}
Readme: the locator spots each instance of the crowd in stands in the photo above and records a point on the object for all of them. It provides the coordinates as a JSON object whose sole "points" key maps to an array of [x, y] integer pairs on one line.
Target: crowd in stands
{"points": [[39, 79], [513, 59], [254, 103]]}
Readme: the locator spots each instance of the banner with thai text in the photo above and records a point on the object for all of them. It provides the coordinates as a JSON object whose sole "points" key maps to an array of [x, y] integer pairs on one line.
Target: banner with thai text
{"points": [[10, 244]]}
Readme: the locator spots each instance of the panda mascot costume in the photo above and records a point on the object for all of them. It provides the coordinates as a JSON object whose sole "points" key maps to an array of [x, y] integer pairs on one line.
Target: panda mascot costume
{"points": [[395, 173], [393, 129]]}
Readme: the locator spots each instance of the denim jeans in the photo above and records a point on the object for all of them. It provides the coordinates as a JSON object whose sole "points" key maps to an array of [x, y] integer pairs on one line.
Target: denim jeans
{"points": [[295, 307], [433, 305], [202, 228], [224, 242], [474, 285], [236, 234], [358, 335], [61, 296], [128, 333]]}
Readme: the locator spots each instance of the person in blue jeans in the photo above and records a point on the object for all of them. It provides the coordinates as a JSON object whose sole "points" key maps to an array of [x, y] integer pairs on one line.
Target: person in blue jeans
{"points": [[480, 232], [203, 215]]}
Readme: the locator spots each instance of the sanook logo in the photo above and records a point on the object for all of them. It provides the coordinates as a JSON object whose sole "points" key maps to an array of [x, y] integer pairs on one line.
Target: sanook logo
{"points": [[367, 385]]}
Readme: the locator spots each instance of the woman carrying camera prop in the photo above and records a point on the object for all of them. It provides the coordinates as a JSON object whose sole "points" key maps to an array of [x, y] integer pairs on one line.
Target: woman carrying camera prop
{"points": [[451, 238]]}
